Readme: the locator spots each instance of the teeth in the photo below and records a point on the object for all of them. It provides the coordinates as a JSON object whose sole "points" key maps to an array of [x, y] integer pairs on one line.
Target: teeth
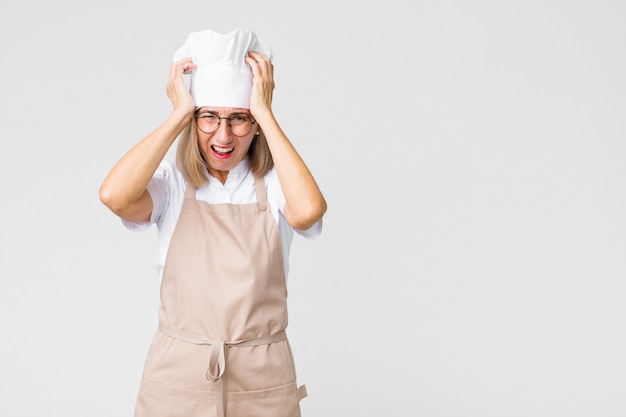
{"points": [[222, 150]]}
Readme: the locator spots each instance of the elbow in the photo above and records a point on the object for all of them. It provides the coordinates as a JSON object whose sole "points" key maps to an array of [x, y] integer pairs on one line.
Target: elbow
{"points": [[109, 198], [106, 196], [123, 206], [321, 210], [307, 218]]}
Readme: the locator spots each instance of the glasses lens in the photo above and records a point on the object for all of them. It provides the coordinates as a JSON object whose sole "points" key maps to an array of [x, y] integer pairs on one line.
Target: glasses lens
{"points": [[240, 125], [208, 122]]}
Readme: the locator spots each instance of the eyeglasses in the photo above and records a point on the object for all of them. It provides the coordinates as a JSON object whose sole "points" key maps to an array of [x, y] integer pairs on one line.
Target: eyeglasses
{"points": [[239, 124]]}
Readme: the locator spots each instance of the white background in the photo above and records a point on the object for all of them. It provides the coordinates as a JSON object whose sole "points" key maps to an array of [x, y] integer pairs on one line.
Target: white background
{"points": [[472, 155]]}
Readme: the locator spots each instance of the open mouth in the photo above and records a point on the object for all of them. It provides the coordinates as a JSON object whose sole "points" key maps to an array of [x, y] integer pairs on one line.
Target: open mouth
{"points": [[219, 151]]}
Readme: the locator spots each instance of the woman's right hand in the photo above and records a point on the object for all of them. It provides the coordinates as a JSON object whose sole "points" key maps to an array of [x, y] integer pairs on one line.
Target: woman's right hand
{"points": [[124, 189], [177, 90]]}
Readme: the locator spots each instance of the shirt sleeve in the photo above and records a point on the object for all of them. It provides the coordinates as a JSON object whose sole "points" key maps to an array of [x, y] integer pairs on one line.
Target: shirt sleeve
{"points": [[158, 188]]}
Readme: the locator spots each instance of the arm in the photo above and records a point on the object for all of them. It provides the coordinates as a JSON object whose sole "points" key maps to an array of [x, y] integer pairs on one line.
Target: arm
{"points": [[305, 204], [124, 189]]}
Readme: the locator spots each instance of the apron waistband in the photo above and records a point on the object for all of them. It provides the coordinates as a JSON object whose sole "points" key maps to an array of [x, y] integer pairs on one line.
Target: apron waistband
{"points": [[217, 358]]}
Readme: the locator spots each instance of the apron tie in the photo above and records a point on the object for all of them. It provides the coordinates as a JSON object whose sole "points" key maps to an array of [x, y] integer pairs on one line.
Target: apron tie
{"points": [[217, 362], [217, 357]]}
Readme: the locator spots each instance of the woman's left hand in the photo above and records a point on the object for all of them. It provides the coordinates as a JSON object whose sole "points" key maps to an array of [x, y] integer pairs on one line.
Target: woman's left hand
{"points": [[262, 83]]}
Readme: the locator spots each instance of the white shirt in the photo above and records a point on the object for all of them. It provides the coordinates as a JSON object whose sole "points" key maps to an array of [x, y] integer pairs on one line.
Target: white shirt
{"points": [[167, 189]]}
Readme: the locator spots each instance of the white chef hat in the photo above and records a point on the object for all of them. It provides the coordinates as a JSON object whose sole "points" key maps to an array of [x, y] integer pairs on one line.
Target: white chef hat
{"points": [[222, 77]]}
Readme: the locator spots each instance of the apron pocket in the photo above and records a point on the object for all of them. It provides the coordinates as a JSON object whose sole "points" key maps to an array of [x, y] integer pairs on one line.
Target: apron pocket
{"points": [[163, 401], [282, 401]]}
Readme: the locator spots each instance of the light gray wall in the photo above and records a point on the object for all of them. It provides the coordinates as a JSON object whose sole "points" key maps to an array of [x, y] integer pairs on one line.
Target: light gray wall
{"points": [[472, 155]]}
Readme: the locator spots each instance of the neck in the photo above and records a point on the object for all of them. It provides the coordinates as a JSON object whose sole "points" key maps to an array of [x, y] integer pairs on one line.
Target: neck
{"points": [[221, 176]]}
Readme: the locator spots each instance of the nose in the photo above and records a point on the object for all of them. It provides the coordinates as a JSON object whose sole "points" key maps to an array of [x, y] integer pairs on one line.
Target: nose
{"points": [[223, 130]]}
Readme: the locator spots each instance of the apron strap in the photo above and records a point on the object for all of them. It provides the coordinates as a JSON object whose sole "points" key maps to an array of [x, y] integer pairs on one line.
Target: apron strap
{"points": [[217, 357], [302, 392], [259, 187], [190, 192]]}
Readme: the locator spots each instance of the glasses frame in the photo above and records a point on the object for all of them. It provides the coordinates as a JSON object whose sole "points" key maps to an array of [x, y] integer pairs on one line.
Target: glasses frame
{"points": [[196, 113]]}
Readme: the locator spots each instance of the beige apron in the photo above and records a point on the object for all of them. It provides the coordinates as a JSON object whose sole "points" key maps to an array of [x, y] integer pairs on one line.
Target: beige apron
{"points": [[221, 348]]}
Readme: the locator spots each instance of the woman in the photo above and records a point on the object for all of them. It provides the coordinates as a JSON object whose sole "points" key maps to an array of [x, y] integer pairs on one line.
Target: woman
{"points": [[226, 213]]}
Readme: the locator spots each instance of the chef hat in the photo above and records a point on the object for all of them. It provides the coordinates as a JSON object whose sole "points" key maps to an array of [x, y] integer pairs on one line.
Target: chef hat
{"points": [[222, 77]]}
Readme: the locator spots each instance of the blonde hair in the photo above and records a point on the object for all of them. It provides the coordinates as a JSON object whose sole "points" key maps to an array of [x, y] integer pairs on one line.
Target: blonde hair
{"points": [[193, 167]]}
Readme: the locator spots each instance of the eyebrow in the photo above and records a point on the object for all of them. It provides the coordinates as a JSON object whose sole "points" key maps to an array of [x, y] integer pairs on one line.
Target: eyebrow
{"points": [[206, 111]]}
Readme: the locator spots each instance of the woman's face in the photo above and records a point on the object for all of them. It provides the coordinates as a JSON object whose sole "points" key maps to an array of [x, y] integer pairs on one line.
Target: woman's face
{"points": [[221, 148]]}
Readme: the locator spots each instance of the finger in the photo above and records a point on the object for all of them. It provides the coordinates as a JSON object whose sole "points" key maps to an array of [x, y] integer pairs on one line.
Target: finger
{"points": [[176, 87], [261, 66], [188, 68], [258, 55], [254, 66], [184, 61], [184, 65], [259, 59], [258, 72]]}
